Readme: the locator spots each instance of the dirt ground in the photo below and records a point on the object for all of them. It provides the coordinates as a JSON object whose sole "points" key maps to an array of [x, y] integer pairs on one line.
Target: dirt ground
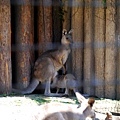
{"points": [[18, 107]]}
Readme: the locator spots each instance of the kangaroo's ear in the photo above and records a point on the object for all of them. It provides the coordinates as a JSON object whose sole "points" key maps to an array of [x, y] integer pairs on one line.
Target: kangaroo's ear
{"points": [[91, 101], [64, 32], [80, 98], [70, 32]]}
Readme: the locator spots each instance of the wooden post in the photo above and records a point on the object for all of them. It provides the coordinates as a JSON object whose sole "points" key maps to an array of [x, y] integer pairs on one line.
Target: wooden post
{"points": [[67, 14], [110, 52], [88, 47], [118, 50], [77, 50], [67, 9], [24, 42], [44, 25], [5, 47], [57, 23], [99, 48]]}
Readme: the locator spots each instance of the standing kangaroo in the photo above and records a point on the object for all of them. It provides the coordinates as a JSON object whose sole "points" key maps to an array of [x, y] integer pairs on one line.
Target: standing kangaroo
{"points": [[67, 81], [61, 111], [47, 65]]}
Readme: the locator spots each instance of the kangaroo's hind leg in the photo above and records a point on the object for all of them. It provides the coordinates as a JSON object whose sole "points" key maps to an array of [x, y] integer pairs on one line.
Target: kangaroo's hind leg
{"points": [[66, 91], [47, 87]]}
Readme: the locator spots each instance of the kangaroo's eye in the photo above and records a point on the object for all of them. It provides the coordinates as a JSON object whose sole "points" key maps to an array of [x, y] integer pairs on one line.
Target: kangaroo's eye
{"points": [[67, 38]]}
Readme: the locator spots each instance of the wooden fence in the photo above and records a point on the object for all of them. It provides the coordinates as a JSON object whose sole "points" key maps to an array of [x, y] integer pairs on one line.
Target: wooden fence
{"points": [[30, 27]]}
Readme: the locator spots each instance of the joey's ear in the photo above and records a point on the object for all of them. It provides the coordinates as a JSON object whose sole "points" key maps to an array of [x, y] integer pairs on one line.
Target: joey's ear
{"points": [[91, 101], [64, 32]]}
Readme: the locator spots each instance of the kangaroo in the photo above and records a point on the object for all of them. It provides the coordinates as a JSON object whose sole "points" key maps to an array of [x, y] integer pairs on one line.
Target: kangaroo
{"points": [[47, 65], [67, 81], [62, 111]]}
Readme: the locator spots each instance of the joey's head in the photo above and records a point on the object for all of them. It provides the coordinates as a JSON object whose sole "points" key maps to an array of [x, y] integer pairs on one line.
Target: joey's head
{"points": [[86, 108], [66, 37], [69, 76], [108, 116]]}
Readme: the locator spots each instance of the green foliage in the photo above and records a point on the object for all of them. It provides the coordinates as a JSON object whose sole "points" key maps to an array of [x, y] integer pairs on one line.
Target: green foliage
{"points": [[40, 100], [3, 95], [104, 2], [62, 11]]}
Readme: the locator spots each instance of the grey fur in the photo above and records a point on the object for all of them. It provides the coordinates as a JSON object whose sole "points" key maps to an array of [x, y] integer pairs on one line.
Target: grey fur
{"points": [[47, 65]]}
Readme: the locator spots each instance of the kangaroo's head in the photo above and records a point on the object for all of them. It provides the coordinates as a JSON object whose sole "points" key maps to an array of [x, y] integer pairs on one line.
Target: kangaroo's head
{"points": [[66, 37], [86, 108]]}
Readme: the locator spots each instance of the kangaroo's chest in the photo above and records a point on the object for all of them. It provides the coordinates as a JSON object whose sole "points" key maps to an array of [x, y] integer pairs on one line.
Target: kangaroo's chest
{"points": [[59, 58]]}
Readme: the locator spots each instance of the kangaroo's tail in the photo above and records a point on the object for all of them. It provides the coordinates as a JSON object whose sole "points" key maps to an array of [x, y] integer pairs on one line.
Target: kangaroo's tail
{"points": [[31, 87]]}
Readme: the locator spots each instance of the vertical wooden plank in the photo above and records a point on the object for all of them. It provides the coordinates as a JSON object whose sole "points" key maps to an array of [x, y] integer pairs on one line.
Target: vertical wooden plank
{"points": [[66, 24], [57, 23], [118, 50], [5, 47], [77, 51], [88, 48], [24, 41], [44, 25], [67, 14], [110, 52], [40, 27], [99, 48]]}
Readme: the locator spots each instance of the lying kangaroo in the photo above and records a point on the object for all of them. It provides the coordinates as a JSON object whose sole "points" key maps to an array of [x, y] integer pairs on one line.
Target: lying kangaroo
{"points": [[47, 65], [67, 81], [61, 111]]}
